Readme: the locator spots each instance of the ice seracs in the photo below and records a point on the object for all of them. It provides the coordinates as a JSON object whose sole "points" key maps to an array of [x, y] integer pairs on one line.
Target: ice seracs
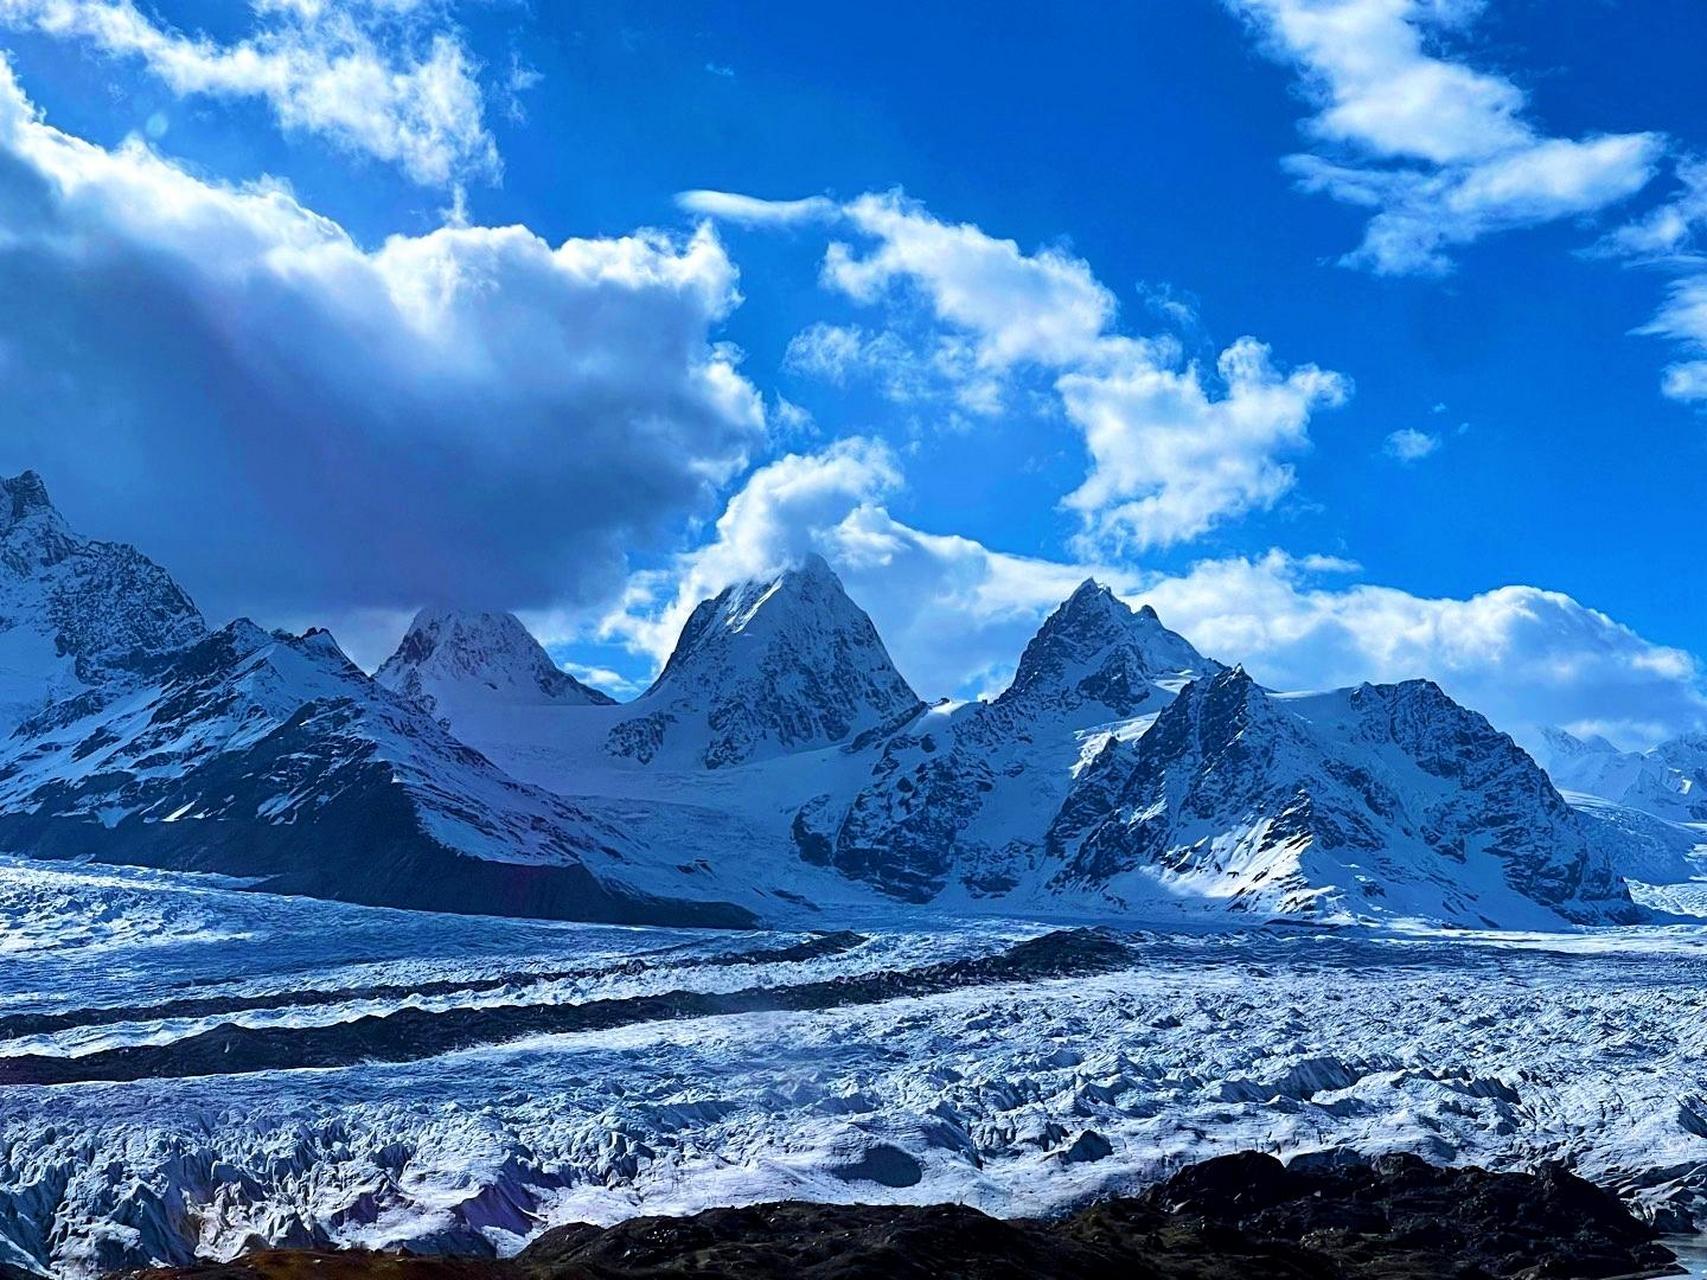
{"points": [[451, 659], [75, 613]]}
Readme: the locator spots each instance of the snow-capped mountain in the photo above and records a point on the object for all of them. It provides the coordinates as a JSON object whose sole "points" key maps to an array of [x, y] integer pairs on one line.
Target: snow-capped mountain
{"points": [[1668, 781], [272, 756], [963, 795], [779, 765], [1378, 800], [763, 669], [450, 659], [1095, 660], [75, 613]]}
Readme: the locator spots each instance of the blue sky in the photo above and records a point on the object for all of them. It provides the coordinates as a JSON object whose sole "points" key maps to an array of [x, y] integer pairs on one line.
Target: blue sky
{"points": [[984, 359]]}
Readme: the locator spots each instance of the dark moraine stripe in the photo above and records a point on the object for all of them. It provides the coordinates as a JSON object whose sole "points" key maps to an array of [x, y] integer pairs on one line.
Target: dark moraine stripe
{"points": [[410, 1034]]}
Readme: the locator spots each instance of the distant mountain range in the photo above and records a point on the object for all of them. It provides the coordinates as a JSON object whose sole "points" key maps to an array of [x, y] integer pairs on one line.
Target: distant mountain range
{"points": [[779, 768]]}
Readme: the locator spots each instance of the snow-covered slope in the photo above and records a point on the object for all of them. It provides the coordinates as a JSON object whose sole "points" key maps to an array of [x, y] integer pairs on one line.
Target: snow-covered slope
{"points": [[76, 614], [778, 766], [1668, 781], [764, 670], [451, 659], [1382, 800], [958, 800], [273, 756]]}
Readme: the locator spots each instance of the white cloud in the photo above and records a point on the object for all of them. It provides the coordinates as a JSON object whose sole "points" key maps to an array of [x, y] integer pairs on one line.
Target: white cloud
{"points": [[901, 372], [1169, 459], [1685, 380], [1669, 229], [604, 679], [1668, 237], [473, 415], [367, 76], [1410, 445], [950, 611], [752, 211], [1522, 656], [1468, 163], [774, 520], [955, 614], [1683, 319], [1045, 307], [1172, 452], [830, 351]]}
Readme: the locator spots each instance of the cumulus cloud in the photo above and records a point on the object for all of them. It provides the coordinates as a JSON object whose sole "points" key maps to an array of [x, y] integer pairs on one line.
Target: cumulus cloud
{"points": [[368, 75], [774, 520], [1410, 445], [1170, 459], [1046, 307], [473, 414], [1522, 656], [1173, 450], [955, 614], [1440, 151]]}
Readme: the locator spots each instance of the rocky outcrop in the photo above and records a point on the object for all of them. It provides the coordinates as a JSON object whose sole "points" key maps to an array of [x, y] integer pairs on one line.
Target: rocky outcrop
{"points": [[1233, 1217], [964, 795], [272, 756], [1388, 798]]}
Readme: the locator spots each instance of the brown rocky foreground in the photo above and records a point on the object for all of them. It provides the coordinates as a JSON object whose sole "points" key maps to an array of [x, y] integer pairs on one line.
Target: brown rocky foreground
{"points": [[1239, 1217]]}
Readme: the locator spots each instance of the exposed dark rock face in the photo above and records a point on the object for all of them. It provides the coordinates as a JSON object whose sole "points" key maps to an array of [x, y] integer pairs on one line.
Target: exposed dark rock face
{"points": [[1240, 1217], [268, 755], [103, 607], [765, 668], [1321, 803], [967, 795]]}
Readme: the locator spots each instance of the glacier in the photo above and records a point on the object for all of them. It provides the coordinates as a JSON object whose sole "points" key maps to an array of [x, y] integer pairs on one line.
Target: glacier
{"points": [[1493, 1047], [443, 956]]}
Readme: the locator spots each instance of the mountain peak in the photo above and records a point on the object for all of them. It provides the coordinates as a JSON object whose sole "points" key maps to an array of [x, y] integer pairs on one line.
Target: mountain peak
{"points": [[79, 614], [24, 495], [459, 658], [787, 663], [1095, 649], [805, 594]]}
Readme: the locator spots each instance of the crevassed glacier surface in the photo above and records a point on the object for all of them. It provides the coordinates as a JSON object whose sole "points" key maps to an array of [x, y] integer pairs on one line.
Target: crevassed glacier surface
{"points": [[1016, 1096]]}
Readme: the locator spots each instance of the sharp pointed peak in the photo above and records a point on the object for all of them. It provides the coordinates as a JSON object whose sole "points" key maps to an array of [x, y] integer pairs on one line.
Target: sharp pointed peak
{"points": [[21, 496], [809, 568], [319, 640], [1094, 594], [1235, 676]]}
